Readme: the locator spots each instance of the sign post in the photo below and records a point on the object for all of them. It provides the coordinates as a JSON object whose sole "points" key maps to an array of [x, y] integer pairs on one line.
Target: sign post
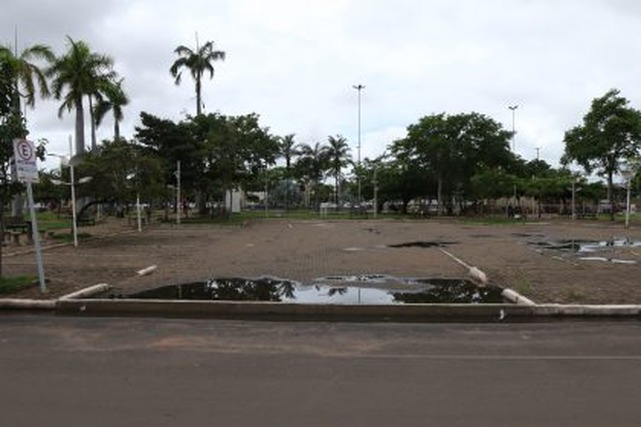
{"points": [[24, 153]]}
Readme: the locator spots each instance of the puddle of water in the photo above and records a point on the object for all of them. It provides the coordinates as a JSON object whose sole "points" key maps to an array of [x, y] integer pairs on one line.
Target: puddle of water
{"points": [[418, 244], [582, 247], [585, 245], [439, 291]]}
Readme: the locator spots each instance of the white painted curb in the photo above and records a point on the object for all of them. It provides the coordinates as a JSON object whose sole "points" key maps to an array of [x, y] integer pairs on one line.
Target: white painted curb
{"points": [[517, 298], [91, 290], [147, 270]]}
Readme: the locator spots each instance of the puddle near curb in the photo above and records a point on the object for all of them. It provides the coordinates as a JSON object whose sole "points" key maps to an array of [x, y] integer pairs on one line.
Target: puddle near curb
{"points": [[419, 291]]}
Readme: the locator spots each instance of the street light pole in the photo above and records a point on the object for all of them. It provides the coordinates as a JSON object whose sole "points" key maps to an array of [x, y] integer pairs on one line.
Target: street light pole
{"points": [[359, 88], [513, 108], [627, 173], [72, 186], [178, 192]]}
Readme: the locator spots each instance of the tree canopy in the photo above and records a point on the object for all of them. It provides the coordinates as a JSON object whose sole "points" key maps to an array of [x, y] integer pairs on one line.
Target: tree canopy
{"points": [[197, 62], [610, 134]]}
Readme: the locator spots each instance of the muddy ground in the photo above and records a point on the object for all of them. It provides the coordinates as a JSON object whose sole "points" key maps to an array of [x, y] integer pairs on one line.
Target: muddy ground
{"points": [[537, 259]]}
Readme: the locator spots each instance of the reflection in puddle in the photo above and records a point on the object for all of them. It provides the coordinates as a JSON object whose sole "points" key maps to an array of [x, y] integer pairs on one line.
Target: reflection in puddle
{"points": [[581, 247], [423, 291], [585, 245]]}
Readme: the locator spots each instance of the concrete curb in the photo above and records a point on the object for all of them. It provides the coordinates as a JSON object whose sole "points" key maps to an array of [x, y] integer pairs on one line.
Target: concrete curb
{"points": [[516, 298], [522, 310], [27, 304], [298, 312], [86, 292]]}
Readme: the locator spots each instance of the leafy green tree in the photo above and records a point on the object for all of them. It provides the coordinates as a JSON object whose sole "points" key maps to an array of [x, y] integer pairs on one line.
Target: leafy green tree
{"points": [[238, 150], [12, 126], [76, 74], [287, 151], [452, 149], [173, 142], [310, 167], [198, 62], [26, 80], [610, 134], [121, 171], [338, 157], [113, 98]]}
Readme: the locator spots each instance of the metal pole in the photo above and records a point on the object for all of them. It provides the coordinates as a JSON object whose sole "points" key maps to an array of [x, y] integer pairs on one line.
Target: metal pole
{"points": [[359, 88], [573, 199], [74, 226], [375, 192], [178, 192], [627, 207], [139, 219], [513, 108], [36, 239], [72, 184]]}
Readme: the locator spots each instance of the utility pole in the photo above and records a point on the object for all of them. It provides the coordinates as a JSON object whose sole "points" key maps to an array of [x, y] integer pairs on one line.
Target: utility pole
{"points": [[359, 88], [513, 108]]}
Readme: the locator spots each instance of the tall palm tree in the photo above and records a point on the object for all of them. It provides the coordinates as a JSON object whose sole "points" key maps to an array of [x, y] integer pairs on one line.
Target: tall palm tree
{"points": [[311, 165], [78, 73], [288, 150], [198, 62], [29, 78], [338, 157], [114, 99]]}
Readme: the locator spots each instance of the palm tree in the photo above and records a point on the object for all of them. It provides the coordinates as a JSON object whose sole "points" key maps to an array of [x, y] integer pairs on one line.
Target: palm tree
{"points": [[197, 62], [28, 76], [113, 100], [311, 165], [288, 150], [27, 79], [338, 157], [78, 73]]}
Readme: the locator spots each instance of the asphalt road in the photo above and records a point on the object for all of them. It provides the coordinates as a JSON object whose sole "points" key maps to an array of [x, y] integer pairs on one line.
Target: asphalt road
{"points": [[57, 371]]}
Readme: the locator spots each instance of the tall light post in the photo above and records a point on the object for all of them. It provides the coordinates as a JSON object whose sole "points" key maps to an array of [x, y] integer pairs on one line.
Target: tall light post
{"points": [[178, 173], [513, 108], [627, 173], [64, 161], [359, 88]]}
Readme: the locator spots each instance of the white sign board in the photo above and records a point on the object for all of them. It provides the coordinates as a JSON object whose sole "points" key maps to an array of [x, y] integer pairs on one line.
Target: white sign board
{"points": [[24, 153]]}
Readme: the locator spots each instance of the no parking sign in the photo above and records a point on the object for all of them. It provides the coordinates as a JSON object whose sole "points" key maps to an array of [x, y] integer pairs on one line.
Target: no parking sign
{"points": [[24, 153]]}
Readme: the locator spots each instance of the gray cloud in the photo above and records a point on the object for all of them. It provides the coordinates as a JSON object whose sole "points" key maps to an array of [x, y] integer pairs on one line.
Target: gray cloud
{"points": [[295, 62]]}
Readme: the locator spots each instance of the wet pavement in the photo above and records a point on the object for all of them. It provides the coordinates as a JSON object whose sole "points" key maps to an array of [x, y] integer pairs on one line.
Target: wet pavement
{"points": [[159, 372]]}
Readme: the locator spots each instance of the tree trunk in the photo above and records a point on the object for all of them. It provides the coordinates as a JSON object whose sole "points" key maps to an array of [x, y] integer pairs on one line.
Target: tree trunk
{"points": [[94, 144], [198, 103], [1, 243], [116, 130], [80, 127], [610, 185]]}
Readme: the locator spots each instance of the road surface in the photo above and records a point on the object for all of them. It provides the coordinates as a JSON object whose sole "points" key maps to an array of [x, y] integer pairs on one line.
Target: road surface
{"points": [[166, 372]]}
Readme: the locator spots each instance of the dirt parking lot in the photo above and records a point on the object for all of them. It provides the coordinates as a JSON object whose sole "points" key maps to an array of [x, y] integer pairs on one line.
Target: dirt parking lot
{"points": [[541, 260]]}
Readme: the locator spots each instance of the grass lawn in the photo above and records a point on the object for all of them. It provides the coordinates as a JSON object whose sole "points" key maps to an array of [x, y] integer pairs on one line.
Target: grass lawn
{"points": [[9, 285]]}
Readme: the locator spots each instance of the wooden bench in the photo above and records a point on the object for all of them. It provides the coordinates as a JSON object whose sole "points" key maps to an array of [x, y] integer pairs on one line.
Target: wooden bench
{"points": [[16, 223]]}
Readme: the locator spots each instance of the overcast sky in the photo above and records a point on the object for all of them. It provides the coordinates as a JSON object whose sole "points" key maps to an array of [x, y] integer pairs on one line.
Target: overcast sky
{"points": [[295, 62]]}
